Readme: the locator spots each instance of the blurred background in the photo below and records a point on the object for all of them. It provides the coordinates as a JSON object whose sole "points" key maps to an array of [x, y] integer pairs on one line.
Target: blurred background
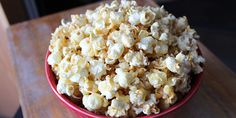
{"points": [[214, 20]]}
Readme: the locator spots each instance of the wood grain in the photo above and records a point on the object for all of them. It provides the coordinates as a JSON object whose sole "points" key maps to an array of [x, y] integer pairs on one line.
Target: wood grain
{"points": [[9, 98], [29, 42]]}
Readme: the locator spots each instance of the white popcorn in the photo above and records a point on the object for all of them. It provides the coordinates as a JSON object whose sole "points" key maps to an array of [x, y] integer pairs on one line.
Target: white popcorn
{"points": [[146, 44], [147, 16], [119, 107], [143, 34], [125, 28], [99, 24], [115, 51], [98, 43], [196, 58], [168, 19], [54, 58], [134, 18], [136, 58], [155, 30], [64, 68], [76, 36], [137, 96], [86, 48], [107, 87], [156, 78], [115, 35], [169, 95], [87, 29], [127, 40], [180, 57], [160, 12], [87, 86], [149, 106], [182, 23], [78, 60], [163, 37], [172, 65], [65, 86], [114, 4], [186, 41], [116, 18], [182, 84], [90, 15], [80, 20], [161, 49], [127, 4], [123, 78], [94, 102], [124, 65], [97, 68]]}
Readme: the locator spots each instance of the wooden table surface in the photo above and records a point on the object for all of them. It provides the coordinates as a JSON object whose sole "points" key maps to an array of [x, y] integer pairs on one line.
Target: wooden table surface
{"points": [[29, 41]]}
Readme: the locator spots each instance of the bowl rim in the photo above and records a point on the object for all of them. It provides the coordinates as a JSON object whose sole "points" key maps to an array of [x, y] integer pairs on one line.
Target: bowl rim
{"points": [[51, 80]]}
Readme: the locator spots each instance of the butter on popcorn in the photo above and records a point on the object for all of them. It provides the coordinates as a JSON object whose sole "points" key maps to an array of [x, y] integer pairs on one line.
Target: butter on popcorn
{"points": [[124, 60]]}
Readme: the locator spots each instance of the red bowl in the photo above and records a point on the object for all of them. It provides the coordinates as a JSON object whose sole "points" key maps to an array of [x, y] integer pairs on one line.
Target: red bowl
{"points": [[82, 112]]}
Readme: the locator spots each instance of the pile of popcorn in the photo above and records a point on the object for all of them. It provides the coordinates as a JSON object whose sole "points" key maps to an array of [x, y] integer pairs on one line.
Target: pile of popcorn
{"points": [[122, 59]]}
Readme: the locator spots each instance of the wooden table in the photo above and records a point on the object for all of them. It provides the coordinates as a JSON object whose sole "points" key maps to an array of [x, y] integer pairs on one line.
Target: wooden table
{"points": [[29, 42]]}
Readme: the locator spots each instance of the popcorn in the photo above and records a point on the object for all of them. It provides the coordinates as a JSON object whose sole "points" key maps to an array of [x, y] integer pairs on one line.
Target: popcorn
{"points": [[115, 35], [182, 84], [123, 78], [136, 58], [123, 59], [86, 48], [87, 30], [119, 107], [64, 68], [182, 23], [54, 58], [94, 102], [155, 30], [76, 36], [142, 34], [137, 96], [65, 86], [100, 24], [97, 68], [124, 65], [87, 86], [149, 106], [127, 40], [115, 51], [107, 87], [169, 95], [116, 18], [172, 65], [156, 78], [147, 16], [186, 41], [146, 44], [180, 57], [161, 49], [98, 43], [163, 37], [134, 18], [79, 20]]}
